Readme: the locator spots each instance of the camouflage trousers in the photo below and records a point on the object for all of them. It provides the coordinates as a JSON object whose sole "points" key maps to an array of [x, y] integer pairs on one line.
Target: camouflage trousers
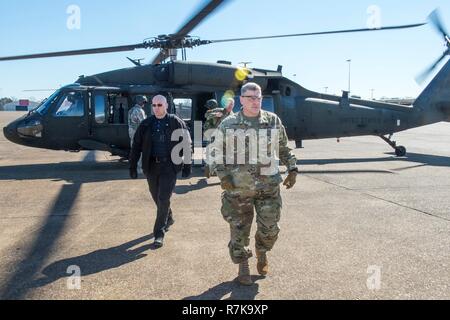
{"points": [[238, 210], [131, 133]]}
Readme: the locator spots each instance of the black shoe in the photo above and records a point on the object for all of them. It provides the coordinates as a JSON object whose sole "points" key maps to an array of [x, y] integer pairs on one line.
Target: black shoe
{"points": [[159, 242], [169, 223]]}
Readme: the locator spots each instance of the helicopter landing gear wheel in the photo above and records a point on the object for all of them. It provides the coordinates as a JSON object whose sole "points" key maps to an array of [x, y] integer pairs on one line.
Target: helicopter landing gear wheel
{"points": [[400, 151]]}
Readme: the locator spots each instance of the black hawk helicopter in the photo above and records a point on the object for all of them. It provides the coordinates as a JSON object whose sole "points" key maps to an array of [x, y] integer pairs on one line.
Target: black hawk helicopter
{"points": [[91, 114]]}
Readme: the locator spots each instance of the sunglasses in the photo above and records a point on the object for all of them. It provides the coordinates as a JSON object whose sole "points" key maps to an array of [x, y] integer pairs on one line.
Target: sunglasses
{"points": [[157, 105], [253, 98]]}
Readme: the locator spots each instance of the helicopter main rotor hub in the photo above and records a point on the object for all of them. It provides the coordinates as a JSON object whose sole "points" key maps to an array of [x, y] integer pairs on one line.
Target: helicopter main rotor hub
{"points": [[167, 42]]}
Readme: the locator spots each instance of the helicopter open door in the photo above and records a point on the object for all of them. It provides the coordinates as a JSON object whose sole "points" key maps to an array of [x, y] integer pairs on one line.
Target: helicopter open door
{"points": [[191, 107], [67, 120], [109, 120]]}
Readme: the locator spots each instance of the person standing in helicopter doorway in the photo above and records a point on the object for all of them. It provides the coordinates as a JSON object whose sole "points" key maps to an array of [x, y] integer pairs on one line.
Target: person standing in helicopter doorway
{"points": [[135, 116], [213, 117]]}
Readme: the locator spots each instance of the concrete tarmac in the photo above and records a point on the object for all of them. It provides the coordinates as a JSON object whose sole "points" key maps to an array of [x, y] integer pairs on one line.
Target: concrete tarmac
{"points": [[359, 224]]}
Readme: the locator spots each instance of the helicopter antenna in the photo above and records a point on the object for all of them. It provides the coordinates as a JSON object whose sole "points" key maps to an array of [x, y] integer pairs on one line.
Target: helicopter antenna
{"points": [[136, 62]]}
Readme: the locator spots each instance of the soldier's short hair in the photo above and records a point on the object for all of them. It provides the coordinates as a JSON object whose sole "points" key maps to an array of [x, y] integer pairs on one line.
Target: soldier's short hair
{"points": [[250, 86]]}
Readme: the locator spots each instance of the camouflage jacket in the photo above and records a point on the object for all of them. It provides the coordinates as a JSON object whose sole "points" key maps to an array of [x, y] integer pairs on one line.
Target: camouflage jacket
{"points": [[248, 168], [214, 117], [135, 116]]}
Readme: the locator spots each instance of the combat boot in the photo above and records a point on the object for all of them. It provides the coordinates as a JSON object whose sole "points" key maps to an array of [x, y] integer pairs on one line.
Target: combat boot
{"points": [[263, 264], [244, 277]]}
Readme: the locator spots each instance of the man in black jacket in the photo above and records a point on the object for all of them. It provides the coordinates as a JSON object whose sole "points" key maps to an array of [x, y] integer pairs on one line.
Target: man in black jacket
{"points": [[165, 145]]}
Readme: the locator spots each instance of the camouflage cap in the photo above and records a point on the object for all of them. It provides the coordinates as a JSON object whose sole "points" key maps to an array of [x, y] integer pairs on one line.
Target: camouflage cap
{"points": [[141, 99]]}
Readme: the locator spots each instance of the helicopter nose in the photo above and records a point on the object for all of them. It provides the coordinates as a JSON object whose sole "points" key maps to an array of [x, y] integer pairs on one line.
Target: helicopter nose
{"points": [[10, 132]]}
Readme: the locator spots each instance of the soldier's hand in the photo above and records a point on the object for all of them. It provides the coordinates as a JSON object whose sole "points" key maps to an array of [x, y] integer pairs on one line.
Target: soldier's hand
{"points": [[133, 173], [290, 179], [227, 183]]}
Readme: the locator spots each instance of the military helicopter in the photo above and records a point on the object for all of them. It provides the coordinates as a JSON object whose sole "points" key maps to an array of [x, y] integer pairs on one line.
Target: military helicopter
{"points": [[91, 114]]}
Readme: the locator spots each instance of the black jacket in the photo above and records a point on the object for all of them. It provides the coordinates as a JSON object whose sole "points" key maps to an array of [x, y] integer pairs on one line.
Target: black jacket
{"points": [[142, 143]]}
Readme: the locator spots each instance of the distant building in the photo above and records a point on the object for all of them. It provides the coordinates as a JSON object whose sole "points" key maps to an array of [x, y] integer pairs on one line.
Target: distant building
{"points": [[402, 101], [21, 105]]}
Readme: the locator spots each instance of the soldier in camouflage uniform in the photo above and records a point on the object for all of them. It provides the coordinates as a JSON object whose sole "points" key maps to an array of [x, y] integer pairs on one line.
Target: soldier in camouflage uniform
{"points": [[252, 184], [214, 116], [135, 116]]}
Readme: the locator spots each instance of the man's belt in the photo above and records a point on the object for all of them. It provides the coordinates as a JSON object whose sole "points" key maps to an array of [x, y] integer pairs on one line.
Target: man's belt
{"points": [[159, 159]]}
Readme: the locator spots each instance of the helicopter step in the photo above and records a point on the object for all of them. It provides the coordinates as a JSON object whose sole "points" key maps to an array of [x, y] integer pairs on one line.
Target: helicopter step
{"points": [[95, 145], [400, 151]]}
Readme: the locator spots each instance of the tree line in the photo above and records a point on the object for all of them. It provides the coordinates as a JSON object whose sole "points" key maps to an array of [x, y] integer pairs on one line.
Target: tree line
{"points": [[4, 101]]}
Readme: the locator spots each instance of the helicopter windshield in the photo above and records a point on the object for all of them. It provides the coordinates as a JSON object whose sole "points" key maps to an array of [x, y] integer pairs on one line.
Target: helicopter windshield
{"points": [[43, 107]]}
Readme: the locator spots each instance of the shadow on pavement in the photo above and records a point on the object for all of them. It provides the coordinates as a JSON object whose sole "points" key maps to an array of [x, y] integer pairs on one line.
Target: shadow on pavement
{"points": [[94, 262], [58, 216], [236, 291], [75, 172], [425, 159], [200, 184]]}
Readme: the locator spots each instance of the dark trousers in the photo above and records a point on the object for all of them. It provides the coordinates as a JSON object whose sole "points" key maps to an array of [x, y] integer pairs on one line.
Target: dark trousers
{"points": [[161, 180]]}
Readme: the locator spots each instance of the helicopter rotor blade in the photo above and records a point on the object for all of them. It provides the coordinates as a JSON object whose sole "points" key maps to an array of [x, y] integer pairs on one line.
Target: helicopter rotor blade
{"points": [[76, 52], [436, 21], [421, 77], [193, 22], [38, 90], [199, 17], [321, 33]]}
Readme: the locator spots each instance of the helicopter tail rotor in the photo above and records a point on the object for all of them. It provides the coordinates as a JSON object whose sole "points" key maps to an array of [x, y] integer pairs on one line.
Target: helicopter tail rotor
{"points": [[436, 21]]}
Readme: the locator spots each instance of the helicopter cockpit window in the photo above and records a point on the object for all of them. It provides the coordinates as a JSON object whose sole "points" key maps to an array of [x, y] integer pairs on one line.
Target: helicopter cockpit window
{"points": [[42, 109], [70, 105], [100, 104], [183, 108]]}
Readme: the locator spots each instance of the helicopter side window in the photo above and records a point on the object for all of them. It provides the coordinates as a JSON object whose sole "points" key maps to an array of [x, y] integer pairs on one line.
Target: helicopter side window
{"points": [[100, 104], [237, 104], [117, 108], [267, 104], [70, 104], [183, 108]]}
